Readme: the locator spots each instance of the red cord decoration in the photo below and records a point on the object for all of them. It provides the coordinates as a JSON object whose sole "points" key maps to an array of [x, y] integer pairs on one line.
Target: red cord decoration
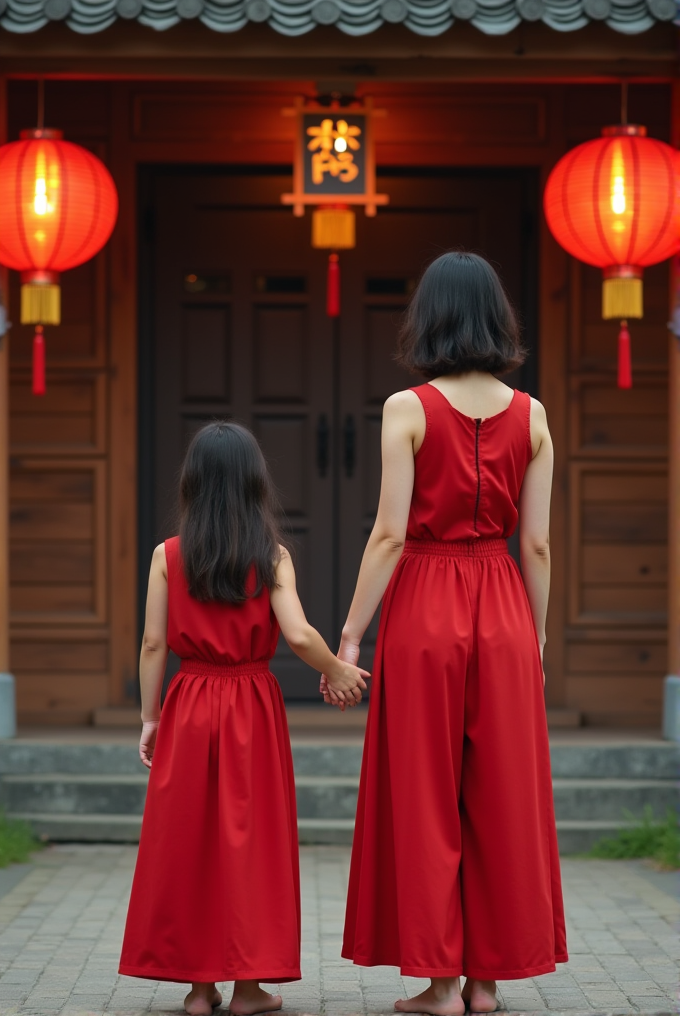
{"points": [[625, 372], [333, 286], [38, 361]]}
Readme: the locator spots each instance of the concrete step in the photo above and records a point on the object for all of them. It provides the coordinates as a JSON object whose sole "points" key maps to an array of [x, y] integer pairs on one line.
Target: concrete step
{"points": [[330, 756], [326, 830], [83, 828], [327, 759], [607, 800], [654, 760], [318, 797], [17, 757], [327, 797], [577, 836], [69, 794]]}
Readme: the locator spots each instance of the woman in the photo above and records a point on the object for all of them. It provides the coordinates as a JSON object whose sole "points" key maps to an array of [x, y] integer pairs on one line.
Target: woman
{"points": [[455, 868]]}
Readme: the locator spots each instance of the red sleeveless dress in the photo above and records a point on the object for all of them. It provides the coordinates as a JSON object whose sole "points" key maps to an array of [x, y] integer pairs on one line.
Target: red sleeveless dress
{"points": [[216, 891], [455, 868]]}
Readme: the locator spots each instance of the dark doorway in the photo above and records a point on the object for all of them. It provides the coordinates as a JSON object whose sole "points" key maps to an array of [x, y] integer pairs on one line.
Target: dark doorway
{"points": [[233, 324]]}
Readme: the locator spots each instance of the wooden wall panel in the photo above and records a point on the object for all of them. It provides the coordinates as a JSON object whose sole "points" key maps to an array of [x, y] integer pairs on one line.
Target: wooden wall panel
{"points": [[617, 577], [58, 529], [59, 448]]}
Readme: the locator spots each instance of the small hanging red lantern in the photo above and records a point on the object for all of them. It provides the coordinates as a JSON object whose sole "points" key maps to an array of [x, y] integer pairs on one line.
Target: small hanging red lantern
{"points": [[58, 207], [334, 169], [613, 202], [334, 229]]}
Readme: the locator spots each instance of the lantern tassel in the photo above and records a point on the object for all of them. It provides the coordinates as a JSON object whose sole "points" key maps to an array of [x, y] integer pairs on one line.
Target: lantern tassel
{"points": [[625, 373], [333, 286], [38, 362]]}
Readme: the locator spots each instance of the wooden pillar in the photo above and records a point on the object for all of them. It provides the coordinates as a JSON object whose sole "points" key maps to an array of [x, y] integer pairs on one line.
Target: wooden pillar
{"points": [[4, 441], [674, 441], [5, 722]]}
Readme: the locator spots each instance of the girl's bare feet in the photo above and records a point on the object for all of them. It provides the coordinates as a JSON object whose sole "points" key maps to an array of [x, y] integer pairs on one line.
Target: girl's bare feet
{"points": [[442, 998], [249, 998], [202, 999], [480, 995]]}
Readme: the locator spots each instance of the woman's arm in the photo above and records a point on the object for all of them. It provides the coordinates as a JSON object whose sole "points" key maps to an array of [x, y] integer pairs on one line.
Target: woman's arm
{"points": [[534, 520], [154, 654], [403, 429], [344, 679]]}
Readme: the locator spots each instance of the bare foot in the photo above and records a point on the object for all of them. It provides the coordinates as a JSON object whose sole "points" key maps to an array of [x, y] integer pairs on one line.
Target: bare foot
{"points": [[442, 998], [249, 998], [480, 995], [202, 999]]}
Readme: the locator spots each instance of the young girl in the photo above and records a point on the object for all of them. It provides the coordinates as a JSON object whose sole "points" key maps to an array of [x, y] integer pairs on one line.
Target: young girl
{"points": [[216, 892], [454, 865]]}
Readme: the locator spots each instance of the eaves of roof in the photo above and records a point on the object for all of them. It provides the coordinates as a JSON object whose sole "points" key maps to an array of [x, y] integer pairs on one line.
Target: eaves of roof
{"points": [[353, 17]]}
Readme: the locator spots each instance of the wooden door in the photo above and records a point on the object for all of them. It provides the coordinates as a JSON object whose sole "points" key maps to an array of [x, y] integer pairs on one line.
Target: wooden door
{"points": [[235, 327], [238, 330]]}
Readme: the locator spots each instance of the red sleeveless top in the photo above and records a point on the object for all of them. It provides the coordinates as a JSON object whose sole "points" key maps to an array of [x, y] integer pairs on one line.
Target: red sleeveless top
{"points": [[468, 473], [219, 633]]}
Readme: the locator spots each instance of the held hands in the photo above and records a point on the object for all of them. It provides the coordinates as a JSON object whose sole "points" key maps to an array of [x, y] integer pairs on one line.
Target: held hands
{"points": [[147, 742], [343, 687]]}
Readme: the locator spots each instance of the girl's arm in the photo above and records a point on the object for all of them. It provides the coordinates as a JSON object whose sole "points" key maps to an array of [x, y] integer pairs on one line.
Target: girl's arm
{"points": [[403, 429], [154, 654], [534, 521], [345, 680]]}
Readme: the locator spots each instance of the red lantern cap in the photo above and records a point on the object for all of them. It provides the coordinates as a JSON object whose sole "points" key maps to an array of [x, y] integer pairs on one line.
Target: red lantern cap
{"points": [[615, 201]]}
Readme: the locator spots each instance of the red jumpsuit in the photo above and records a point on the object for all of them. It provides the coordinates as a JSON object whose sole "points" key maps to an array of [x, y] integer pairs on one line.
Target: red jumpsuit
{"points": [[455, 867]]}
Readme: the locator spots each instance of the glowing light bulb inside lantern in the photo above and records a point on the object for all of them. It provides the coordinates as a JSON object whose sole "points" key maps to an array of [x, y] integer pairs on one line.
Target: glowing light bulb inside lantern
{"points": [[40, 199], [41, 206], [618, 189], [340, 145]]}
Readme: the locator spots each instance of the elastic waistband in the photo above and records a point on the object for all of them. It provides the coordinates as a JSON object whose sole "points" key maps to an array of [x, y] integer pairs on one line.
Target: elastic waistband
{"points": [[457, 548], [204, 668]]}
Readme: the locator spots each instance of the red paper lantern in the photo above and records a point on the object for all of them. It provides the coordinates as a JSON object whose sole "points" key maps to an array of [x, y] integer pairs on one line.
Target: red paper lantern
{"points": [[58, 206], [614, 203]]}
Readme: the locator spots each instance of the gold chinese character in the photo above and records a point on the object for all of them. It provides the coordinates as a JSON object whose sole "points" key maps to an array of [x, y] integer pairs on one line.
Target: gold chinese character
{"points": [[322, 136], [343, 166], [330, 146]]}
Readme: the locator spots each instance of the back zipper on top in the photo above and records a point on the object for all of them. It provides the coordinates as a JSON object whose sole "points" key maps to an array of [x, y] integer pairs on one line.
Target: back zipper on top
{"points": [[478, 424]]}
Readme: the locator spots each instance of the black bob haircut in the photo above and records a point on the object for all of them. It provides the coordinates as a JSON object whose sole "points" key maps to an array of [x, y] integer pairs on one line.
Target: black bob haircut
{"points": [[459, 320], [228, 516]]}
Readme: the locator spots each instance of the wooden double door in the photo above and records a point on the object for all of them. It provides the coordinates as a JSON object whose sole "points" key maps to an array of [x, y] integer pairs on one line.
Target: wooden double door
{"points": [[234, 326]]}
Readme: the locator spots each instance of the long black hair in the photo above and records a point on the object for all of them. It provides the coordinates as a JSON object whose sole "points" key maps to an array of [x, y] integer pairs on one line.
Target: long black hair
{"points": [[460, 319], [228, 515]]}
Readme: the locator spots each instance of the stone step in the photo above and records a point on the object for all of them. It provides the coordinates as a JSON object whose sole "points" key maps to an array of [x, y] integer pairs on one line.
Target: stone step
{"points": [[653, 760], [575, 837], [72, 795], [318, 797], [331, 757], [83, 828], [327, 759], [326, 830], [327, 797], [607, 800]]}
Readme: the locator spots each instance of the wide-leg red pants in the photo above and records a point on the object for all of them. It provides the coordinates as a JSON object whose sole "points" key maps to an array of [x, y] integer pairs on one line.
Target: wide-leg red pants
{"points": [[455, 867]]}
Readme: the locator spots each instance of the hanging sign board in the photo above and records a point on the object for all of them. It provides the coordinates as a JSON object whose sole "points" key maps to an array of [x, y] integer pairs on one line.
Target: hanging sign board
{"points": [[334, 161]]}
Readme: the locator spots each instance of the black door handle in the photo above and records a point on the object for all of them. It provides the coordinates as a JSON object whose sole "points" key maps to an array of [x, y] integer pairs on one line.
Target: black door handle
{"points": [[349, 439], [323, 441]]}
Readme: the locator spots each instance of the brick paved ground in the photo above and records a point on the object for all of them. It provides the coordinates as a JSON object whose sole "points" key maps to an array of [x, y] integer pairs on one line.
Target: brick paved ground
{"points": [[61, 927]]}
